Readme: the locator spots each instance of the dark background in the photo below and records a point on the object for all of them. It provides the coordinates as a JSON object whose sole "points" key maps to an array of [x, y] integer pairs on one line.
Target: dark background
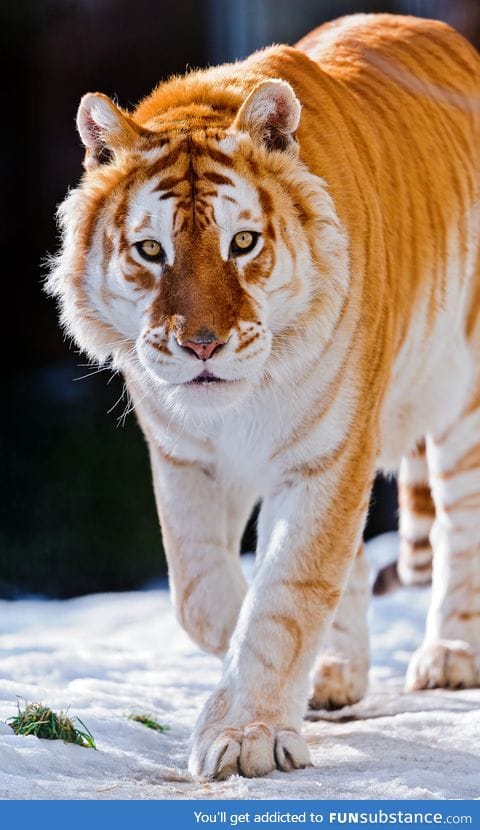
{"points": [[77, 505]]}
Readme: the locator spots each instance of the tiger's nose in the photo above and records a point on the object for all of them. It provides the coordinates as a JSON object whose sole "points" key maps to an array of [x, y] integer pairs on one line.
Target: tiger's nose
{"points": [[204, 345]]}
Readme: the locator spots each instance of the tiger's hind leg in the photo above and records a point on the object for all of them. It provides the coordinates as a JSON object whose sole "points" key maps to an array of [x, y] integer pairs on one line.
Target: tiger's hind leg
{"points": [[340, 675], [450, 654]]}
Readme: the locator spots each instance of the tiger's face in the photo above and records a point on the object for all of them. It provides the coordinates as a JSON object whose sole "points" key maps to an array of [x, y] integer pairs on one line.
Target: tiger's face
{"points": [[188, 252], [196, 257]]}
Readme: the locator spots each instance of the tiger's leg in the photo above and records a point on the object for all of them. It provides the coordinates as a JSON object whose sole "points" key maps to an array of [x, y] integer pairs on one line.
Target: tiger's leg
{"points": [[310, 526], [450, 654], [417, 514], [202, 523], [341, 672], [340, 675]]}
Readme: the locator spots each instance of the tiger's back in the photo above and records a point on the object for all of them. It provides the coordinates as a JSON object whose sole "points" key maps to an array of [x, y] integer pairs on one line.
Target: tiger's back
{"points": [[414, 117]]}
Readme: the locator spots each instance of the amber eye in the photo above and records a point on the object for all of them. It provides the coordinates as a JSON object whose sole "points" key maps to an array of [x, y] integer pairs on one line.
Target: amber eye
{"points": [[243, 242], [151, 250]]}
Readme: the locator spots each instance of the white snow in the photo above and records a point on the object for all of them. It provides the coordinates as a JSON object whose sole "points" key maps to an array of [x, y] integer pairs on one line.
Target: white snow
{"points": [[109, 655]]}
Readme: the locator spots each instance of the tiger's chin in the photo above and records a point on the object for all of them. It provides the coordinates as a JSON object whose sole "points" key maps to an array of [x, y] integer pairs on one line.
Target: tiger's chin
{"points": [[209, 397]]}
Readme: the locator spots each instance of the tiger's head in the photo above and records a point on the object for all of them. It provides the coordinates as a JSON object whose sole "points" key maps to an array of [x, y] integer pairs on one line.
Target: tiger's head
{"points": [[193, 248]]}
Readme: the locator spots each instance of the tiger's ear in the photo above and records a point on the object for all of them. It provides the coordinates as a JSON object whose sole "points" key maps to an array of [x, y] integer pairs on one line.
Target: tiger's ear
{"points": [[103, 128], [270, 114]]}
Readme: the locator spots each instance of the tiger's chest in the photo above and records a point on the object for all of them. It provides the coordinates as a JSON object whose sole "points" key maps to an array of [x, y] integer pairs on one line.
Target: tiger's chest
{"points": [[248, 444]]}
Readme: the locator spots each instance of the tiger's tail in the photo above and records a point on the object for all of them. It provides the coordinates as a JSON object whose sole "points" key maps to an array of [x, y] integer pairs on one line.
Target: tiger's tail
{"points": [[417, 514]]}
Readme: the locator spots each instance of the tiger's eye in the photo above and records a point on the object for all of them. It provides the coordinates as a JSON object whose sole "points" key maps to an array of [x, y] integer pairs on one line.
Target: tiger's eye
{"points": [[150, 249], [243, 242], [243, 239]]}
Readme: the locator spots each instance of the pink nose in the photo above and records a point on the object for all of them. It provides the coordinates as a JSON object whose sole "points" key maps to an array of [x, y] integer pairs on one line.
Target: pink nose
{"points": [[204, 347]]}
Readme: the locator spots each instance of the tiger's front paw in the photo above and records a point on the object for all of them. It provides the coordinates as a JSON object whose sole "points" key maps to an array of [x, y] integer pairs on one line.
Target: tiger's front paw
{"points": [[252, 750], [337, 682], [446, 664], [209, 623]]}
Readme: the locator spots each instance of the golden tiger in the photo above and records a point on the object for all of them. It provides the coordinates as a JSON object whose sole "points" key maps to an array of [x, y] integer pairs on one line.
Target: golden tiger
{"points": [[282, 257]]}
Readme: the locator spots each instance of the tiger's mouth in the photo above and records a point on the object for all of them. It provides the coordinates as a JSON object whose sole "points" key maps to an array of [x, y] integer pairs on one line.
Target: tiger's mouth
{"points": [[206, 377]]}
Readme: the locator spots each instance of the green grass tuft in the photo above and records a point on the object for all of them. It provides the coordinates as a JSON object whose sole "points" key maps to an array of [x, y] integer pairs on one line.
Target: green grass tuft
{"points": [[149, 722], [40, 721]]}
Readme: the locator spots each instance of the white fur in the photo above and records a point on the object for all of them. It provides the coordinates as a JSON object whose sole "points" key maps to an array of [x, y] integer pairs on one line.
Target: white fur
{"points": [[414, 527], [413, 469], [442, 457]]}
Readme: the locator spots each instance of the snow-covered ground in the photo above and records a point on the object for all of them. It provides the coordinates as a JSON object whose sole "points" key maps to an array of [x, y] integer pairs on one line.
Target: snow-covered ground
{"points": [[107, 656]]}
